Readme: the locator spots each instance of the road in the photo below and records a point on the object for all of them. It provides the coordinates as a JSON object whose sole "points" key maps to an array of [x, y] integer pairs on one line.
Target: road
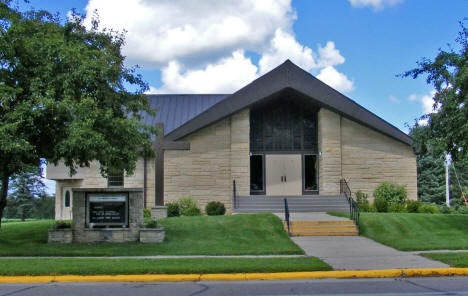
{"points": [[398, 286]]}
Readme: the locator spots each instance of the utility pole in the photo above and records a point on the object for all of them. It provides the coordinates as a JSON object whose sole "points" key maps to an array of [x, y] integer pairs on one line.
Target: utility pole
{"points": [[448, 160]]}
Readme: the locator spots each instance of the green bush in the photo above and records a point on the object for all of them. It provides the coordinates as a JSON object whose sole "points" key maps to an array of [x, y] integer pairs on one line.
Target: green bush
{"points": [[214, 208], [146, 213], [151, 224], [62, 224], [188, 207], [428, 209], [173, 209], [392, 193], [381, 205], [462, 210], [397, 208], [362, 201], [444, 209], [413, 206]]}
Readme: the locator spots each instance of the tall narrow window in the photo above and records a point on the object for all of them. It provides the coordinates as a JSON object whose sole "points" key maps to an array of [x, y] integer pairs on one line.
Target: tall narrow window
{"points": [[256, 173], [115, 179], [310, 172], [67, 199]]}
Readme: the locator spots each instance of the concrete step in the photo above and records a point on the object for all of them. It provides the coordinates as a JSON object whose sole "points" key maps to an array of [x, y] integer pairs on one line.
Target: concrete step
{"points": [[324, 233], [324, 223], [321, 228]]}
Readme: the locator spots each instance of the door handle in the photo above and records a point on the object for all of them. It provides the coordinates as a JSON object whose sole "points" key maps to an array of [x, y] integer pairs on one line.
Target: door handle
{"points": [[281, 179], [284, 178]]}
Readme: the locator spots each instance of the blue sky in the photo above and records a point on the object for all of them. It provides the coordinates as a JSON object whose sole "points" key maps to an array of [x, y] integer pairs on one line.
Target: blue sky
{"points": [[357, 46]]}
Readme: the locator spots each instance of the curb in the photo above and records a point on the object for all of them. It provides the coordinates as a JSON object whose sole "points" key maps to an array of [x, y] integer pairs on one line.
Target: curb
{"points": [[386, 273]]}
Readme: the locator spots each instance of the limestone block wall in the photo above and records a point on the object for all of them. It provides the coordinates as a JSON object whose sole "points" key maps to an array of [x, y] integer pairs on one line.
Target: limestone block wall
{"points": [[218, 154], [240, 151], [370, 158], [329, 144]]}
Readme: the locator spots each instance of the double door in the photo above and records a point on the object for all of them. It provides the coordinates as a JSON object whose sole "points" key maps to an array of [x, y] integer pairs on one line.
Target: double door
{"points": [[283, 174]]}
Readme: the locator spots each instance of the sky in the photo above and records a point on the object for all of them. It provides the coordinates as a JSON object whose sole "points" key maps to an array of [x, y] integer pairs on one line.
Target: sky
{"points": [[218, 46]]}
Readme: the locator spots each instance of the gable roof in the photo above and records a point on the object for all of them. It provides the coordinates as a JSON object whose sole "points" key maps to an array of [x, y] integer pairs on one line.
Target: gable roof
{"points": [[285, 76]]}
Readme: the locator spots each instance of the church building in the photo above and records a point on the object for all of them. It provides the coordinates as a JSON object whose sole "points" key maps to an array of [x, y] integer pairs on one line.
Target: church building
{"points": [[286, 134]]}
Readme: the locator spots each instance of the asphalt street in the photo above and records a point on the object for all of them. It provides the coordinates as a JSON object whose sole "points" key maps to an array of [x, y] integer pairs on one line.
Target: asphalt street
{"points": [[387, 287]]}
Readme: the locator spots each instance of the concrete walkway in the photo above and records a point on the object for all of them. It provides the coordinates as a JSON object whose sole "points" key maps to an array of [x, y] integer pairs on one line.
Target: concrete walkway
{"points": [[355, 252]]}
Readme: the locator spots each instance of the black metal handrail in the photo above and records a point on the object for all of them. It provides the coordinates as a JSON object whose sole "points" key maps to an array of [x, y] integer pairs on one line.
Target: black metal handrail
{"points": [[234, 194], [353, 206], [286, 213]]}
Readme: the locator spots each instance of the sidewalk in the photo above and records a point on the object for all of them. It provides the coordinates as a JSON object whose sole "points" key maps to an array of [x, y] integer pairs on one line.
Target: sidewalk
{"points": [[355, 252]]}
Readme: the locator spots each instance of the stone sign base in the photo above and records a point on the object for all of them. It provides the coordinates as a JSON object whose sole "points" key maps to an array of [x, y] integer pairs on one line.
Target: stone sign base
{"points": [[152, 235], [110, 235], [61, 236], [158, 212]]}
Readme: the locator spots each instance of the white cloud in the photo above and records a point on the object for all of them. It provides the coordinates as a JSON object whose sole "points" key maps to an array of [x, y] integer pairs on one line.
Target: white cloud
{"points": [[191, 31], [200, 45], [335, 79], [393, 99], [376, 4], [427, 104], [225, 76]]}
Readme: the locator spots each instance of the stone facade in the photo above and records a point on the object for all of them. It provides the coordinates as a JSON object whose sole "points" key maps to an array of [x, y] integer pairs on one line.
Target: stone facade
{"points": [[158, 212], [364, 157], [82, 234], [219, 154]]}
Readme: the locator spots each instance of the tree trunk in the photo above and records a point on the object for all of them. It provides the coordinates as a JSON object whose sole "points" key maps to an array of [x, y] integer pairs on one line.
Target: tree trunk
{"points": [[3, 195]]}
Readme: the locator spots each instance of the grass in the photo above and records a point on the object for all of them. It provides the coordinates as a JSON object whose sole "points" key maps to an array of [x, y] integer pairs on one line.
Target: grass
{"points": [[453, 259], [247, 234], [415, 232], [79, 266]]}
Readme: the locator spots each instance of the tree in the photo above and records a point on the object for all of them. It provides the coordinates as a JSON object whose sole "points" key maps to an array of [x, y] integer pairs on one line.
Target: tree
{"points": [[26, 188], [63, 96], [448, 73], [431, 169]]}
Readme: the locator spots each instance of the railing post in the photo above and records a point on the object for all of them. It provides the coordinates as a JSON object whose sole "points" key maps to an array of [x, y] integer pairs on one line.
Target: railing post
{"points": [[286, 213], [234, 194]]}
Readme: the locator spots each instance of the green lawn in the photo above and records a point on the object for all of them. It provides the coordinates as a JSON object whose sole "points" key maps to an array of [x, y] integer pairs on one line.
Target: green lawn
{"points": [[453, 259], [249, 234], [157, 266], [416, 232]]}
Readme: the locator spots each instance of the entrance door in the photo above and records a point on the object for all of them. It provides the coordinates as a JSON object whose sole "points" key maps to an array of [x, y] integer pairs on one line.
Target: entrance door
{"points": [[283, 174]]}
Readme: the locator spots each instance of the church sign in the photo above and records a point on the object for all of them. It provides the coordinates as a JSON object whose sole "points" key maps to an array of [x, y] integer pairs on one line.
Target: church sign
{"points": [[107, 210]]}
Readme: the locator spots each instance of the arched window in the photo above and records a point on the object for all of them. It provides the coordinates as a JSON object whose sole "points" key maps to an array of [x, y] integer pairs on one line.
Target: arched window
{"points": [[67, 199]]}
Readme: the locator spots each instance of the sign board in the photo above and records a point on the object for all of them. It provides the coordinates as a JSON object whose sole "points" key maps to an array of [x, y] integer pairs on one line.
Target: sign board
{"points": [[107, 210]]}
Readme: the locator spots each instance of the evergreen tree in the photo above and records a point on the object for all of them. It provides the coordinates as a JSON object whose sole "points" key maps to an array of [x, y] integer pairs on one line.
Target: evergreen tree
{"points": [[26, 188]]}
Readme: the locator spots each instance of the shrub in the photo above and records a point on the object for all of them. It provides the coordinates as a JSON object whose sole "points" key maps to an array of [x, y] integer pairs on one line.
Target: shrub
{"points": [[173, 209], [397, 208], [428, 209], [192, 212], [362, 201], [392, 193], [151, 224], [146, 213], [413, 206], [62, 224], [380, 205], [214, 208], [188, 207], [462, 210], [444, 209]]}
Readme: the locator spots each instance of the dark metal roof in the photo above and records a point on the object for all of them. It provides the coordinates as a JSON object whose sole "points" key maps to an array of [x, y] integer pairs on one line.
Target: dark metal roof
{"points": [[175, 110], [286, 77]]}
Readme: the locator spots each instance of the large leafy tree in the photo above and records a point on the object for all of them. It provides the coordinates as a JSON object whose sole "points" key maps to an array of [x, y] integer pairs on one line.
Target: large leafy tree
{"points": [[63, 96], [448, 73]]}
